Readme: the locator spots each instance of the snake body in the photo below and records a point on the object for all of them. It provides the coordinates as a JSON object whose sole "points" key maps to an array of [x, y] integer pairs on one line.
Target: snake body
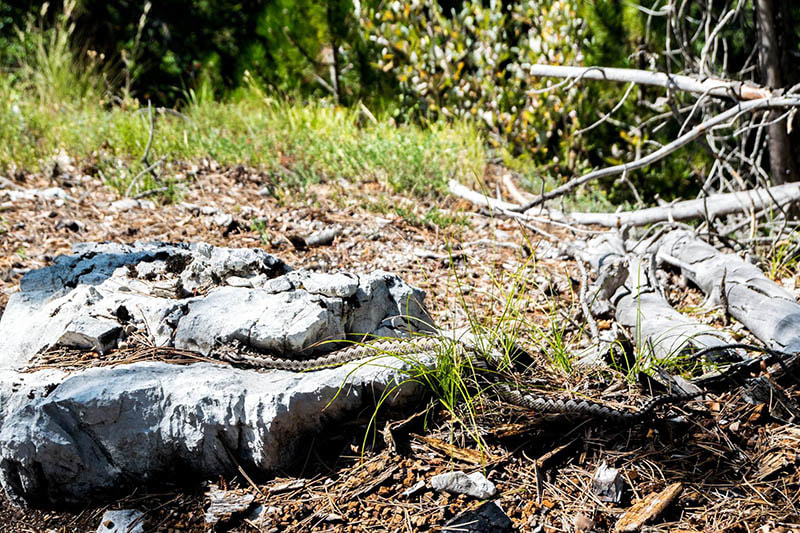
{"points": [[400, 347]]}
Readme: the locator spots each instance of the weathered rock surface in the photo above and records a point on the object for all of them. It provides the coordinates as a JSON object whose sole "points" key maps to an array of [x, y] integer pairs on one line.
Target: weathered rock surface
{"points": [[196, 297], [121, 521], [73, 436], [488, 518], [475, 484]]}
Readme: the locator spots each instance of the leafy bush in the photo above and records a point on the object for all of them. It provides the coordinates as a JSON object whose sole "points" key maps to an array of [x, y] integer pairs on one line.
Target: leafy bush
{"points": [[474, 63]]}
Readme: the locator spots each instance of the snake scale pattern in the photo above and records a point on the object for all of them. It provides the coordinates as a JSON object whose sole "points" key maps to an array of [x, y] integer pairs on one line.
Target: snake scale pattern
{"points": [[539, 403]]}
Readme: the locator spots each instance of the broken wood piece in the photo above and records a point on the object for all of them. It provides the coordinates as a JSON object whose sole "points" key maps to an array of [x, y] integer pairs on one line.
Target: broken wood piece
{"points": [[765, 308], [627, 284], [474, 457], [776, 461], [287, 486], [713, 206], [648, 509], [226, 503]]}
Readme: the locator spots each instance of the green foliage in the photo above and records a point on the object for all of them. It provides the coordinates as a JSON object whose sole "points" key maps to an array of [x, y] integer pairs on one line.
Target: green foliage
{"points": [[614, 29], [473, 63], [46, 64], [300, 143], [260, 226], [11, 17], [445, 219], [161, 50]]}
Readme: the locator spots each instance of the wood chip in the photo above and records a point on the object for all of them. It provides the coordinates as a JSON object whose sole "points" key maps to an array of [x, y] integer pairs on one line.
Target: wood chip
{"points": [[474, 457], [648, 509], [377, 481]]}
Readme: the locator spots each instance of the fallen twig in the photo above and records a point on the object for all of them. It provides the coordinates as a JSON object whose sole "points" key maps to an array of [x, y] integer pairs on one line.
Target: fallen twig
{"points": [[699, 130], [712, 86], [150, 192], [716, 205]]}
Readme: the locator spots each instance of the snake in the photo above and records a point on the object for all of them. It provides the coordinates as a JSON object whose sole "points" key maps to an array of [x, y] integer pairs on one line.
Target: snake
{"points": [[425, 345]]}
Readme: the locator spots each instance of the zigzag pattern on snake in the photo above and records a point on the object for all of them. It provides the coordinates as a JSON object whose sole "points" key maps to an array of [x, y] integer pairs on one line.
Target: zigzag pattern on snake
{"points": [[543, 404]]}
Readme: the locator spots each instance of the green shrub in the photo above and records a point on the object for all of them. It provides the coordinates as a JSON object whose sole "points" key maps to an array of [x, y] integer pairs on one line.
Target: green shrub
{"points": [[473, 63]]}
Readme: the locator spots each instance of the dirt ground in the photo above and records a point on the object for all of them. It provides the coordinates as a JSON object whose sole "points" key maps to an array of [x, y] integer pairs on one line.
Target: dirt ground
{"points": [[724, 464]]}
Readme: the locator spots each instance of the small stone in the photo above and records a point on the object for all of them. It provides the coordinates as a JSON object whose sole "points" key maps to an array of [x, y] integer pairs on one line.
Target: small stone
{"points": [[475, 484], [121, 521], [89, 333], [608, 484], [261, 513], [323, 237], [126, 204], [223, 220], [488, 518]]}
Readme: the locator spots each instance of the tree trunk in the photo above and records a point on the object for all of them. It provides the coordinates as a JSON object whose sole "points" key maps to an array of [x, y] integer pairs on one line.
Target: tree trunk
{"points": [[780, 151]]}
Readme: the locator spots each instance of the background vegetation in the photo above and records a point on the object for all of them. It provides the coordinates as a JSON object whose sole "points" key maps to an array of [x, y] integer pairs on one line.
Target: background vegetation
{"points": [[319, 88]]}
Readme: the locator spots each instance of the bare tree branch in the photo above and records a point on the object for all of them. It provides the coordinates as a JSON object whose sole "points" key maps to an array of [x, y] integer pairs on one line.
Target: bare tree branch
{"points": [[715, 87], [713, 206], [667, 149]]}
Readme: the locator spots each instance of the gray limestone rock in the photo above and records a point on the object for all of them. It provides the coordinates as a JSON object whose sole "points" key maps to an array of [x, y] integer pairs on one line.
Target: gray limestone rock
{"points": [[198, 297], [88, 435], [72, 436], [90, 333], [121, 521], [475, 484]]}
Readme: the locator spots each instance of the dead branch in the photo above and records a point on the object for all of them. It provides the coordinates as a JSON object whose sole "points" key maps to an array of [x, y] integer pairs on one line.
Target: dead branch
{"points": [[699, 130], [768, 310], [717, 205], [477, 198], [713, 206], [721, 88], [627, 284]]}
